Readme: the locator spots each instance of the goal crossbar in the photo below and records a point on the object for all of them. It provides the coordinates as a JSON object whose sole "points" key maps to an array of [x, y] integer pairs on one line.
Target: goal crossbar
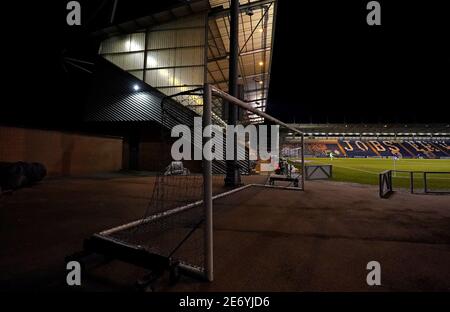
{"points": [[110, 242], [246, 106]]}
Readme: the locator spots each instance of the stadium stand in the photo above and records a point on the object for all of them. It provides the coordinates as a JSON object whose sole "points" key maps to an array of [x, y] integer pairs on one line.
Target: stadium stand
{"points": [[441, 149], [374, 129], [357, 148], [370, 140], [371, 148]]}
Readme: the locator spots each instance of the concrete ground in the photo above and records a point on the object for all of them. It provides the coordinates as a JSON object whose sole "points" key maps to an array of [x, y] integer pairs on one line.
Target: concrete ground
{"points": [[265, 239]]}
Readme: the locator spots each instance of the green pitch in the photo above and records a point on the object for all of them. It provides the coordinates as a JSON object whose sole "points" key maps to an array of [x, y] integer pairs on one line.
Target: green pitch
{"points": [[366, 170]]}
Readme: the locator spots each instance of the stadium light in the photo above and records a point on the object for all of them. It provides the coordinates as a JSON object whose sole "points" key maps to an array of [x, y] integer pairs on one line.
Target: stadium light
{"points": [[136, 87], [249, 11]]}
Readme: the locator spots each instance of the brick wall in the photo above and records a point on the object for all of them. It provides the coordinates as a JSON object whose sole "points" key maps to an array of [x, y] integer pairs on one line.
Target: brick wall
{"points": [[62, 153], [154, 156]]}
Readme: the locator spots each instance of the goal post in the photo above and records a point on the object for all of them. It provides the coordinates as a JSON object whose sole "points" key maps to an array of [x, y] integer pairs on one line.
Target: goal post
{"points": [[419, 182], [175, 231], [207, 189], [208, 93], [247, 107]]}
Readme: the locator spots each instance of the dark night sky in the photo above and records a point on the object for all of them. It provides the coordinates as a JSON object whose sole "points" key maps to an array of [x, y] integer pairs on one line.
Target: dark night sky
{"points": [[327, 63], [330, 65]]}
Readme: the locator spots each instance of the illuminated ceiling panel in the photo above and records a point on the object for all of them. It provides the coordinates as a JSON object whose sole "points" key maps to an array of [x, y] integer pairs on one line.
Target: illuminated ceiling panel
{"points": [[256, 21], [255, 47]]}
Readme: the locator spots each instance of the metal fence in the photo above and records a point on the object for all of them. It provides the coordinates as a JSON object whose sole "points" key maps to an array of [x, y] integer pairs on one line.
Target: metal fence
{"points": [[420, 182]]}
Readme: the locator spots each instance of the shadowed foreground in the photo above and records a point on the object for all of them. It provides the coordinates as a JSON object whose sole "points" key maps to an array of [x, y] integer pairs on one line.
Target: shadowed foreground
{"points": [[265, 239]]}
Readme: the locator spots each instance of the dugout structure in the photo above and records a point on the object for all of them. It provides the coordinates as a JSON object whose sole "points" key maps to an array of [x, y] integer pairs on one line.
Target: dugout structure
{"points": [[176, 231]]}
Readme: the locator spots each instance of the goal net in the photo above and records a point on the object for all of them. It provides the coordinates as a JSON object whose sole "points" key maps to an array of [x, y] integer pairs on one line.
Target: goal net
{"points": [[191, 155]]}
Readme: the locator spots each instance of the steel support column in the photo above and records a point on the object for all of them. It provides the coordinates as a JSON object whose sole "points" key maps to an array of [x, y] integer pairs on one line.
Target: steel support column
{"points": [[233, 177]]}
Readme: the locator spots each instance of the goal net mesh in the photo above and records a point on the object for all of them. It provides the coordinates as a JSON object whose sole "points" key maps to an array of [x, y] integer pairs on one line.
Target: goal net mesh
{"points": [[173, 224]]}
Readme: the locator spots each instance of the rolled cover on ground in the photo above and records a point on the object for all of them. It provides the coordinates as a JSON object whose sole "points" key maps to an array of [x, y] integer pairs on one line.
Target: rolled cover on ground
{"points": [[20, 174]]}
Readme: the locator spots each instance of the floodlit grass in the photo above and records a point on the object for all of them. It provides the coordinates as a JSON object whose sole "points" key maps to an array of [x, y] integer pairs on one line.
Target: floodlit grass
{"points": [[366, 171]]}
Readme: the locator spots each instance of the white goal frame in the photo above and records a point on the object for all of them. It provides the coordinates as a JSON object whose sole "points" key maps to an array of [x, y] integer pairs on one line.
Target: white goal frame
{"points": [[208, 92], [104, 242]]}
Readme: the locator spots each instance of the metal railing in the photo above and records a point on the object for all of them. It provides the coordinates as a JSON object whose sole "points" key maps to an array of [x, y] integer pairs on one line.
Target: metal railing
{"points": [[318, 172], [386, 182]]}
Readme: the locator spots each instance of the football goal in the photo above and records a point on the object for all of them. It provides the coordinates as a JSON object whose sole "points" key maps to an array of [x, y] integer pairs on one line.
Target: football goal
{"points": [[196, 145]]}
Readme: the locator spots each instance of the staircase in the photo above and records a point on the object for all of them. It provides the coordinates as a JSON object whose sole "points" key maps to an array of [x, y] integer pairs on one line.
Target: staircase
{"points": [[174, 113]]}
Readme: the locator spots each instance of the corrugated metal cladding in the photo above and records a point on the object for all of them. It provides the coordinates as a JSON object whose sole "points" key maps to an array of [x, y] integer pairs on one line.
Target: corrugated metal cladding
{"points": [[113, 98], [173, 59], [179, 27]]}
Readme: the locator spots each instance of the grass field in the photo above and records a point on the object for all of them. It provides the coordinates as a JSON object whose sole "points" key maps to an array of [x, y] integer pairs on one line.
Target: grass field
{"points": [[366, 170]]}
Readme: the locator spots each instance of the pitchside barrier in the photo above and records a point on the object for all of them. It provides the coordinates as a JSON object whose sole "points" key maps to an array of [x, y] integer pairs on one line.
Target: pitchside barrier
{"points": [[318, 172], [175, 233], [431, 182], [385, 184]]}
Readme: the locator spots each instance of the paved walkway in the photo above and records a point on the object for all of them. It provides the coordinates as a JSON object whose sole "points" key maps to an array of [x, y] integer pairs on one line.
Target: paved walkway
{"points": [[265, 239]]}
